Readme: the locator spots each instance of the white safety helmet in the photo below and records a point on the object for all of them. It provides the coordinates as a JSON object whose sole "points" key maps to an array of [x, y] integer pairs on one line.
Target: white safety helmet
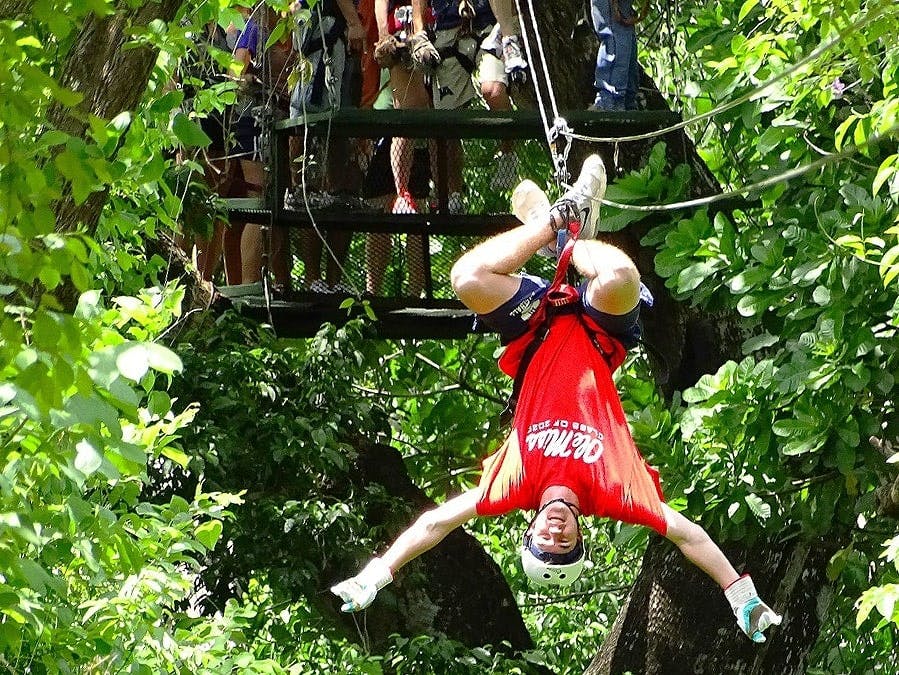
{"points": [[552, 569]]}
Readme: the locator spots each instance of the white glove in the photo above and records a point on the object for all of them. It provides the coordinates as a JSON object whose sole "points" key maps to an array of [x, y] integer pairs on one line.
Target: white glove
{"points": [[753, 615], [359, 591]]}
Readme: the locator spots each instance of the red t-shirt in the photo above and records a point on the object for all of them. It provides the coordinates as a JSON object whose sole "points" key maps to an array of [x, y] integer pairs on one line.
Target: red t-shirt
{"points": [[570, 430]]}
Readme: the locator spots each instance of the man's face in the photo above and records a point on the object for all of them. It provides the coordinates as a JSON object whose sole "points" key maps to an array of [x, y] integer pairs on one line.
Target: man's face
{"points": [[555, 529]]}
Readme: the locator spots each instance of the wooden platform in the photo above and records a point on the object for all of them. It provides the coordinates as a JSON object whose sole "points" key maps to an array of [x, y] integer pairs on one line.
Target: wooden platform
{"points": [[301, 314]]}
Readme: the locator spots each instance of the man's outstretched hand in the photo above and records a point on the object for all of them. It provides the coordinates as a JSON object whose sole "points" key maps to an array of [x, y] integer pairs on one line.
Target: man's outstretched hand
{"points": [[753, 615], [359, 592]]}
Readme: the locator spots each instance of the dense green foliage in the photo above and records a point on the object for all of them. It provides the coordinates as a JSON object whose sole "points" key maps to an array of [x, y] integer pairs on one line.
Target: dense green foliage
{"points": [[813, 272], [123, 463]]}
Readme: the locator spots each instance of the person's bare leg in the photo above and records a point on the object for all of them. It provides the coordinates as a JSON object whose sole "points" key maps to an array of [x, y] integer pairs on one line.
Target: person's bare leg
{"points": [[279, 262], [231, 250], [614, 281], [377, 250], [310, 252], [415, 260], [506, 16], [339, 243], [408, 92], [496, 95], [483, 277], [453, 179], [698, 547], [209, 251], [251, 243]]}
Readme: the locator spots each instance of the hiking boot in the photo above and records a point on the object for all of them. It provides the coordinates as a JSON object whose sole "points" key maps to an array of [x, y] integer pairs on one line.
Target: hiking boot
{"points": [[513, 58], [580, 203]]}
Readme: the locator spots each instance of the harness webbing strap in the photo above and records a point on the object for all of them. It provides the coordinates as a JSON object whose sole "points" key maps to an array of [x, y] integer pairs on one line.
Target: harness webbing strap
{"points": [[555, 302]]}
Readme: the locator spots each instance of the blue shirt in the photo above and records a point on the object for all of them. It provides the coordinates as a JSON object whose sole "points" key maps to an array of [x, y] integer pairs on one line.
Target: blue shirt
{"points": [[446, 14]]}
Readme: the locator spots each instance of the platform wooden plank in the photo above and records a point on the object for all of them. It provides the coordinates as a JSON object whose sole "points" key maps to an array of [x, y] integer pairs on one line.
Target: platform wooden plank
{"points": [[427, 123], [396, 319]]}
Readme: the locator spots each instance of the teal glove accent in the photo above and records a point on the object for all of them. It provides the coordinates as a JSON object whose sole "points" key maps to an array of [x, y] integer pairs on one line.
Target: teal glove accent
{"points": [[754, 617], [359, 591]]}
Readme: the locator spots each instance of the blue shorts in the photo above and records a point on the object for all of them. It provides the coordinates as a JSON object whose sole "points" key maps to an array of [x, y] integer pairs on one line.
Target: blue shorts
{"points": [[511, 319]]}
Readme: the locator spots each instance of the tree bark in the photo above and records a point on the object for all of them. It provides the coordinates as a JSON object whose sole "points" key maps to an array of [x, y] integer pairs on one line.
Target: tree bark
{"points": [[676, 620], [455, 589], [111, 80]]}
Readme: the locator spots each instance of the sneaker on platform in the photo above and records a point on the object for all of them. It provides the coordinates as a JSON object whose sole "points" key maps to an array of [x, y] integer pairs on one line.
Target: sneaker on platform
{"points": [[404, 203], [506, 171]]}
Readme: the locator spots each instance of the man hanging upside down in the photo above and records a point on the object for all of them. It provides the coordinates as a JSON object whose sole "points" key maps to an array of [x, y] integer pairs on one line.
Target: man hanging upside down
{"points": [[569, 451]]}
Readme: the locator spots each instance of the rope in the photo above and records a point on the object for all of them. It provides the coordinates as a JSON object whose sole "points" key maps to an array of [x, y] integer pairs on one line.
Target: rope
{"points": [[333, 100], [724, 107], [559, 126], [760, 185]]}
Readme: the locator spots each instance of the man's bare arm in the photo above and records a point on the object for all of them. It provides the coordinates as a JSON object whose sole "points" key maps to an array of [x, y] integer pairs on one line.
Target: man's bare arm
{"points": [[431, 528]]}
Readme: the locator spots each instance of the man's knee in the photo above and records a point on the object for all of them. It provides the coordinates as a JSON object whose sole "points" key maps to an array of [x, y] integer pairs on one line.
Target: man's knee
{"points": [[616, 287], [467, 275]]}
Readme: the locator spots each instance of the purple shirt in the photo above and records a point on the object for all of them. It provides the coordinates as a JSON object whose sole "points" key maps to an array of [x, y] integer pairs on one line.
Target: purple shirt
{"points": [[249, 38]]}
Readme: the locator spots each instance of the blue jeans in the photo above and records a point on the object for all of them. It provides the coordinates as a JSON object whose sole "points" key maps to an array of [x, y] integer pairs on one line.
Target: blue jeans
{"points": [[616, 60]]}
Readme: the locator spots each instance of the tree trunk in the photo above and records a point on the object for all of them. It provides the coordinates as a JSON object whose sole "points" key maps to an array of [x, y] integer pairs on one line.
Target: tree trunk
{"points": [[676, 620], [111, 80]]}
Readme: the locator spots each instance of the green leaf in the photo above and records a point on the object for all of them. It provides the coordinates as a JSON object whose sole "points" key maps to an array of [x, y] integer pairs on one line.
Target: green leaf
{"points": [[759, 342], [87, 459], [276, 34], [133, 361], [758, 506], [162, 358], [886, 170], [177, 456], [208, 533], [189, 132]]}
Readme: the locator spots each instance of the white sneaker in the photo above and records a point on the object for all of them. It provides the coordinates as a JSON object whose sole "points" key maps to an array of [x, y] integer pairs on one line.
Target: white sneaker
{"points": [[506, 171], [513, 58], [454, 204], [530, 203], [580, 203]]}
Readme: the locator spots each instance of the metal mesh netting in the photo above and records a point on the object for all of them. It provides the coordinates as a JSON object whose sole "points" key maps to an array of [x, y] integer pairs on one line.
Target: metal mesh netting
{"points": [[350, 185]]}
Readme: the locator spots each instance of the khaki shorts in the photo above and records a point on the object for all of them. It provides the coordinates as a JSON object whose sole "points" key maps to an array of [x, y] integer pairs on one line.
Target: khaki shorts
{"points": [[453, 86]]}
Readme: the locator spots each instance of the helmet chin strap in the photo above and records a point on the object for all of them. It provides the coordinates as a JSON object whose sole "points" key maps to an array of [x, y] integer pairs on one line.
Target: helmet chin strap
{"points": [[571, 507]]}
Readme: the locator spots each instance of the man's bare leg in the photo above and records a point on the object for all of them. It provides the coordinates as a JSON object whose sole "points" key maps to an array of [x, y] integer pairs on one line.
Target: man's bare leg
{"points": [[484, 278]]}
